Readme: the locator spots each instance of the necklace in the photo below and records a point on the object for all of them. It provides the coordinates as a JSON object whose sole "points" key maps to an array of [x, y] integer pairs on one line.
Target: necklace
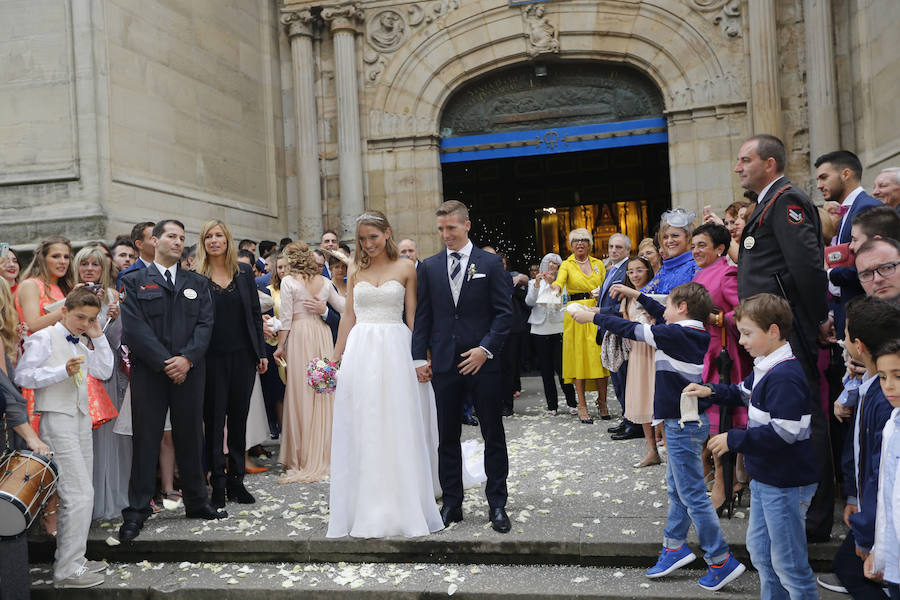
{"points": [[583, 262]]}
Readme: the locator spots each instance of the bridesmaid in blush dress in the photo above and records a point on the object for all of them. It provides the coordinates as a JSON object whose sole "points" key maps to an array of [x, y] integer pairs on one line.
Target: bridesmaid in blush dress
{"points": [[306, 421]]}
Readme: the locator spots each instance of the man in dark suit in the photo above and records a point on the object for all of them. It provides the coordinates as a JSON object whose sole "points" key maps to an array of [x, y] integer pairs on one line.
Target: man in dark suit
{"points": [[838, 175], [619, 247], [140, 238], [782, 253], [167, 318], [463, 317]]}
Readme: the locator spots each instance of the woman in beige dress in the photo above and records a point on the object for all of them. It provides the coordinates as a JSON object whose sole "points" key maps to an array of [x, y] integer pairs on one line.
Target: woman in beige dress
{"points": [[641, 365], [306, 421]]}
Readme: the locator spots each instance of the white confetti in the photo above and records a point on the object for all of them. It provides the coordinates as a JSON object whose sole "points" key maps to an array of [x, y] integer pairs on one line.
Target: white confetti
{"points": [[451, 589], [111, 541]]}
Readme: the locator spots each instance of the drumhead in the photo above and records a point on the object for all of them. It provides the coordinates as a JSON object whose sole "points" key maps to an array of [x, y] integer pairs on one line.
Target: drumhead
{"points": [[12, 517]]}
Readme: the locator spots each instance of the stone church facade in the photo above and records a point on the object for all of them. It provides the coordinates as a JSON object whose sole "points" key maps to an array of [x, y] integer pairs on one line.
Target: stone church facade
{"points": [[286, 117]]}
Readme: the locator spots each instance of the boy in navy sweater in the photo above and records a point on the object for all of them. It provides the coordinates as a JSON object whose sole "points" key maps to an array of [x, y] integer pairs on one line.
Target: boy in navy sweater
{"points": [[871, 323], [776, 445], [680, 346]]}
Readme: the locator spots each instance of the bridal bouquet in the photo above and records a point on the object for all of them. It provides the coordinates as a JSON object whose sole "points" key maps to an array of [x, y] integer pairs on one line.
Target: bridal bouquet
{"points": [[321, 375]]}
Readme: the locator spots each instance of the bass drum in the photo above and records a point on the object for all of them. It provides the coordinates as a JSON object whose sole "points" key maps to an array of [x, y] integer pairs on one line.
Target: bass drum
{"points": [[27, 480]]}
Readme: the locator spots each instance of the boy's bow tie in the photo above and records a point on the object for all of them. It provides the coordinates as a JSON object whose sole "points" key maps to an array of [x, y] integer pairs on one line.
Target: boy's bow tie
{"points": [[73, 338]]}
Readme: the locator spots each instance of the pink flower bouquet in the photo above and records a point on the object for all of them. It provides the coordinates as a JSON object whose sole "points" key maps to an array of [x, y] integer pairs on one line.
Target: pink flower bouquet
{"points": [[321, 375]]}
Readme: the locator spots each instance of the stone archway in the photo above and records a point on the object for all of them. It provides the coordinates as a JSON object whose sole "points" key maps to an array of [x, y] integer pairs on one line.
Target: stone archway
{"points": [[696, 67]]}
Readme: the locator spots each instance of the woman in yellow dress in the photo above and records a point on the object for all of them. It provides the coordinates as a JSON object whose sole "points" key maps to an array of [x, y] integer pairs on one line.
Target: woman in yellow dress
{"points": [[579, 274]]}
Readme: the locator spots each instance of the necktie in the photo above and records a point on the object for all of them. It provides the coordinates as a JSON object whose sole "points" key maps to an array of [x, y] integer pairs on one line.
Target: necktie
{"points": [[608, 281], [73, 338], [455, 266], [843, 210], [169, 277]]}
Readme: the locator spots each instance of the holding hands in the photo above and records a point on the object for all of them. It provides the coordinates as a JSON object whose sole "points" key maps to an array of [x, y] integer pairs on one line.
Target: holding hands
{"points": [[423, 373]]}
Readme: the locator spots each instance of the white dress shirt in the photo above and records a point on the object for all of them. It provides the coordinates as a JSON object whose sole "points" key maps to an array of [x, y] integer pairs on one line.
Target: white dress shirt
{"points": [[848, 202], [162, 270], [31, 372], [465, 252], [765, 190]]}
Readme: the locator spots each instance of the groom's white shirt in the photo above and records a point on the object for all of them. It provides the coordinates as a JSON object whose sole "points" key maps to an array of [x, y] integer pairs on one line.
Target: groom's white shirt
{"points": [[464, 252]]}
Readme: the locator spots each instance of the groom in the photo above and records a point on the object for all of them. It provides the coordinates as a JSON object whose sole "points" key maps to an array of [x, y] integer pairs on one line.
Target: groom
{"points": [[463, 316]]}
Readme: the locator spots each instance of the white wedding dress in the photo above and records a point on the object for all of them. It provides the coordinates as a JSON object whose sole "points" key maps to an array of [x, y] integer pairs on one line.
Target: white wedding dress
{"points": [[381, 454]]}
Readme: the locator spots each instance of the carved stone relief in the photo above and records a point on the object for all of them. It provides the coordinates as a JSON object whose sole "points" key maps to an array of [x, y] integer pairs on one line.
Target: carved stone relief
{"points": [[569, 95], [724, 13], [388, 29], [539, 31], [721, 89]]}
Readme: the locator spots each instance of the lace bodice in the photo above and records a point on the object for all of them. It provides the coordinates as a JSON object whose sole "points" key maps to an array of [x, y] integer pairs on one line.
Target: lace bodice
{"points": [[381, 304]]}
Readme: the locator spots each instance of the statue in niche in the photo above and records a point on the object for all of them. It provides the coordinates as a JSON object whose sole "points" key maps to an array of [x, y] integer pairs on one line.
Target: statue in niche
{"points": [[541, 34], [386, 31]]}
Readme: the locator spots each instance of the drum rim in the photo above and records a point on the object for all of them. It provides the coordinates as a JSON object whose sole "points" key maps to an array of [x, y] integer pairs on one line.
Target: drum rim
{"points": [[23, 510], [46, 460]]}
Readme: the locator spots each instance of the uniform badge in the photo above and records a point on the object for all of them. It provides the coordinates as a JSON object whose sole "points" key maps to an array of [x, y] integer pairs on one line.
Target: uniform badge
{"points": [[795, 214], [749, 242], [190, 294]]}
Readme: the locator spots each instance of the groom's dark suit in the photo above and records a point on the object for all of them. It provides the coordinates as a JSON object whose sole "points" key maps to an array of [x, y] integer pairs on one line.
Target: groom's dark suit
{"points": [[481, 317]]}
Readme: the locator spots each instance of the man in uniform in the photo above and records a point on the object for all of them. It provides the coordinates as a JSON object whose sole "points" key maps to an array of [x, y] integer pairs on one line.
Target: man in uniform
{"points": [[167, 319], [782, 253]]}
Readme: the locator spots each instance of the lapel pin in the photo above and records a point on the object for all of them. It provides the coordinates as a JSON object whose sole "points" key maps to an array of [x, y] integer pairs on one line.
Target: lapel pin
{"points": [[190, 294]]}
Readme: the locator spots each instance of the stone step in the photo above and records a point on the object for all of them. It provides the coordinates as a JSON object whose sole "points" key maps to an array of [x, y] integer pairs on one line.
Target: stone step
{"points": [[273, 581]]}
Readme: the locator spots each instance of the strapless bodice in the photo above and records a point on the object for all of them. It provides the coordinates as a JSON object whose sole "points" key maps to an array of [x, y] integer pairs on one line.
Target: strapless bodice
{"points": [[379, 304]]}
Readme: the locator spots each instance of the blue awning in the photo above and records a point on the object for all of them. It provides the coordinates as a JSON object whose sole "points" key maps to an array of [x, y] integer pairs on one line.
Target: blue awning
{"points": [[538, 142]]}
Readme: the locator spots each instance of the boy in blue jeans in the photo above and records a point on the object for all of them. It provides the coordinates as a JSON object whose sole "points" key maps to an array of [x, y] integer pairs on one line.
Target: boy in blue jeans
{"points": [[680, 346], [777, 449]]}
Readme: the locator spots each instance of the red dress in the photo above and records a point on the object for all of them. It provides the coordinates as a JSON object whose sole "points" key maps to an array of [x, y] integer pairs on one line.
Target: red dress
{"points": [[720, 279]]}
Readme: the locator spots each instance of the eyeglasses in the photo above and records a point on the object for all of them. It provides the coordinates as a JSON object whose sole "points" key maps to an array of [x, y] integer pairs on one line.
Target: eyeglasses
{"points": [[581, 241], [885, 270]]}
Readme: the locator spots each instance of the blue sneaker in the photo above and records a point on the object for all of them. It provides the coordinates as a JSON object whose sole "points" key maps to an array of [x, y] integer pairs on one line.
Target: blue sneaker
{"points": [[718, 576], [671, 560]]}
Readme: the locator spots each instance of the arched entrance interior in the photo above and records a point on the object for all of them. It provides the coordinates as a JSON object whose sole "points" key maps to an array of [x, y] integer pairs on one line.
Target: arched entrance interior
{"points": [[542, 148]]}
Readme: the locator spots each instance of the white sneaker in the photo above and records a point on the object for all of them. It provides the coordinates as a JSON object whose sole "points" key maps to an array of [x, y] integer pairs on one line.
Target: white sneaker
{"points": [[96, 566], [830, 582], [82, 579]]}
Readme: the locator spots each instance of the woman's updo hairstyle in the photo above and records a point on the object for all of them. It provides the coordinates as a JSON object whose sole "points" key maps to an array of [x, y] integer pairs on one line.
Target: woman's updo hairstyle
{"points": [[301, 260]]}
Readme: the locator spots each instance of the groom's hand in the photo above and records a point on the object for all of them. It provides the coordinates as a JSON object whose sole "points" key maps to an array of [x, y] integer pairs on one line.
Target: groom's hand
{"points": [[474, 359]]}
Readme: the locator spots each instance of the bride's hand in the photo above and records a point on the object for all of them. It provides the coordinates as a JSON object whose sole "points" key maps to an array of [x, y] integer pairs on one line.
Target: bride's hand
{"points": [[279, 354]]}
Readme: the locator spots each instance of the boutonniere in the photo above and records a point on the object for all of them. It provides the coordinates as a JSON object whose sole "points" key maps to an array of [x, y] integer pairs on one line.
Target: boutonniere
{"points": [[471, 272]]}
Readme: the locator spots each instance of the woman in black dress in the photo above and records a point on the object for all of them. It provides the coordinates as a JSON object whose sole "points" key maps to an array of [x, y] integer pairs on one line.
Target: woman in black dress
{"points": [[235, 352]]}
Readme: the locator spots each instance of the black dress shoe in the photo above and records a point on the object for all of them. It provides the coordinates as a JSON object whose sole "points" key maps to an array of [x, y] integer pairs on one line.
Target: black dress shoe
{"points": [[451, 514], [205, 512], [129, 530], [238, 493], [499, 520], [470, 420], [631, 433], [617, 428], [507, 412], [218, 498]]}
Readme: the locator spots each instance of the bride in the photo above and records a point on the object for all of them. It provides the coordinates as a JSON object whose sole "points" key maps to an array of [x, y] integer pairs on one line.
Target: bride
{"points": [[381, 480]]}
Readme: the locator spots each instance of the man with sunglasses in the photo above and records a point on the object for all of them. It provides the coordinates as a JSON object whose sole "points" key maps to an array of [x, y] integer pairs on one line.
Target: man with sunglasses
{"points": [[877, 264]]}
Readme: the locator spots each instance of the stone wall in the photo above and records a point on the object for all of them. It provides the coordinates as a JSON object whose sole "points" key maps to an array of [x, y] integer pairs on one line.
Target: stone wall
{"points": [[118, 111]]}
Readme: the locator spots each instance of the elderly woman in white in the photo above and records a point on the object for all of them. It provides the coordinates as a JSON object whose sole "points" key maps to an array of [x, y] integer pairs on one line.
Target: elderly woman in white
{"points": [[546, 330]]}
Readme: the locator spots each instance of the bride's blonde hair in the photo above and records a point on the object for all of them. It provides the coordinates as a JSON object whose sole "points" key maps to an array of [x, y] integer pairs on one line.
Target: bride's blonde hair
{"points": [[376, 219]]}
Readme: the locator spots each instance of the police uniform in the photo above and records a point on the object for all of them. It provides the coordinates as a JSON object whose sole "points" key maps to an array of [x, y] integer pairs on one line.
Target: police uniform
{"points": [[783, 236], [160, 321]]}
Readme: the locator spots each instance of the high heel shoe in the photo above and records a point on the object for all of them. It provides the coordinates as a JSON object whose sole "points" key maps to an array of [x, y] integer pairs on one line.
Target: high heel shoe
{"points": [[588, 420], [603, 410]]}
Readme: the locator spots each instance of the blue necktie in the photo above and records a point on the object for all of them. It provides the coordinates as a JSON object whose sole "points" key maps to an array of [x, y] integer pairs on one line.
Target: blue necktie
{"points": [[457, 266], [72, 338]]}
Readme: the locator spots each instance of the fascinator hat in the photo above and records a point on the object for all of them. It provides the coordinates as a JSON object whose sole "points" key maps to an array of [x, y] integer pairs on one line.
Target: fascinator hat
{"points": [[678, 217]]}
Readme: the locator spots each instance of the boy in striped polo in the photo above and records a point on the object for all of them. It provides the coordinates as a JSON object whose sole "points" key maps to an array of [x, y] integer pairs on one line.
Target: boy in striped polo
{"points": [[776, 445], [681, 341]]}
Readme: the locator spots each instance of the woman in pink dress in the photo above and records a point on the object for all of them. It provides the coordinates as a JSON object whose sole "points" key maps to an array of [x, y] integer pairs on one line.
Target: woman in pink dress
{"points": [[306, 421], [708, 244]]}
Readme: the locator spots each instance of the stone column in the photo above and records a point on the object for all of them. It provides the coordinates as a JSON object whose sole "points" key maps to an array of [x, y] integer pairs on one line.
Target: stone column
{"points": [[344, 20], [299, 26], [821, 89], [764, 86]]}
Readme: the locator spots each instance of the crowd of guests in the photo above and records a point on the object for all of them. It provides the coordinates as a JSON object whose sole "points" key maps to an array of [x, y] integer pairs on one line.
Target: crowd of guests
{"points": [[759, 349]]}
